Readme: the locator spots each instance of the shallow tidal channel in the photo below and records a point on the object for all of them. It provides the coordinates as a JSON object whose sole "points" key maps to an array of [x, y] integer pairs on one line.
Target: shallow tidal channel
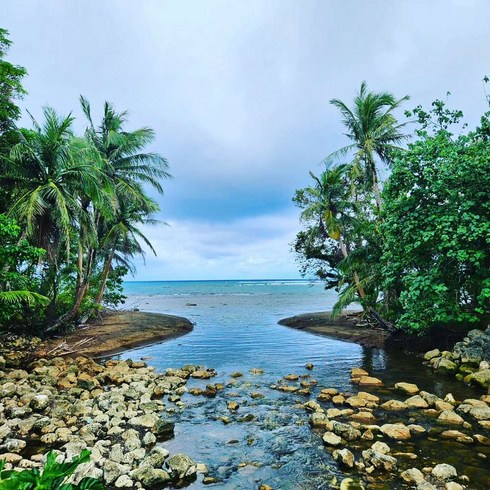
{"points": [[268, 438]]}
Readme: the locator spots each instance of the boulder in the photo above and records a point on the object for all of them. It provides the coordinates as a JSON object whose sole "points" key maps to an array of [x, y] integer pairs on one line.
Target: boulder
{"points": [[345, 431], [407, 388], [445, 366], [396, 431], [181, 468], [431, 354], [413, 475], [393, 405], [369, 381], [380, 461], [481, 378], [416, 401], [331, 439], [457, 436], [344, 457], [444, 472], [449, 417]]}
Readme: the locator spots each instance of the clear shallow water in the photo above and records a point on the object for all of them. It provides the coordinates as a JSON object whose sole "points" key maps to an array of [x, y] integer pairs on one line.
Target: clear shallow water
{"points": [[235, 330]]}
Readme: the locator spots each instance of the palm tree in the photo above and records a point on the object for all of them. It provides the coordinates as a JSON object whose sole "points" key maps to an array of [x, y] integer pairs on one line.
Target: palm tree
{"points": [[49, 169], [128, 168], [120, 241], [374, 132], [330, 203]]}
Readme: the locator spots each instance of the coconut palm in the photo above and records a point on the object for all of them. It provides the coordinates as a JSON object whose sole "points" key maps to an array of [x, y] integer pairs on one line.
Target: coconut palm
{"points": [[374, 132], [129, 169], [330, 204], [49, 169]]}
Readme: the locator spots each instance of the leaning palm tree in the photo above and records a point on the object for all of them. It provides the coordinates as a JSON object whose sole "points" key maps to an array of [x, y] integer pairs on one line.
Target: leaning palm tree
{"points": [[129, 169], [374, 132], [122, 237], [329, 203]]}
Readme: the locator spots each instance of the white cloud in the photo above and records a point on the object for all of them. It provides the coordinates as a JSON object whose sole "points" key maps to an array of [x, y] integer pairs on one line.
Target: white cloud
{"points": [[251, 248]]}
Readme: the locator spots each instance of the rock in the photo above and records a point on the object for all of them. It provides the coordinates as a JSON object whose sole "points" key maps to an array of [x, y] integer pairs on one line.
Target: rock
{"points": [[480, 413], [442, 405], [416, 401], [407, 388], [87, 382], [444, 472], [164, 430], [344, 457], [413, 475], [379, 461], [449, 417], [345, 431], [358, 373], [11, 458], [393, 405], [156, 457], [457, 436], [381, 447], [331, 439], [451, 485], [112, 470], [201, 374], [370, 381], [152, 478], [256, 371], [396, 431], [124, 482], [363, 416], [181, 468], [481, 378], [416, 429], [309, 366], [147, 421], [356, 402], [236, 374], [13, 446], [445, 366], [291, 377], [233, 406], [351, 484], [318, 419], [431, 354]]}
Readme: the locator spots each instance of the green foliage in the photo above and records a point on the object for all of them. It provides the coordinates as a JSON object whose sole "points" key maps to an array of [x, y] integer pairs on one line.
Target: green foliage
{"points": [[437, 224], [52, 477], [19, 282], [80, 201], [10, 86]]}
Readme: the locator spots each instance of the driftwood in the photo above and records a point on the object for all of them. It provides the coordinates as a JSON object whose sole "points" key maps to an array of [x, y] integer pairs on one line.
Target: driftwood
{"points": [[64, 348]]}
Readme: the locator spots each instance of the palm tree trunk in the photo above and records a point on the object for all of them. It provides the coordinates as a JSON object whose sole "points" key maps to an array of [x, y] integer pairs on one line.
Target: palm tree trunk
{"points": [[357, 281], [105, 274], [376, 191]]}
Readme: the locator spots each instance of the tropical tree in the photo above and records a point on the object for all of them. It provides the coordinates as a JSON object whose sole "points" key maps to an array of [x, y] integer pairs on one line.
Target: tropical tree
{"points": [[333, 218], [128, 168], [436, 225], [375, 134]]}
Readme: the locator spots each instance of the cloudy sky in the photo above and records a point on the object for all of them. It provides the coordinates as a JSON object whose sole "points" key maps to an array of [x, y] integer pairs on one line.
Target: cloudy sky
{"points": [[238, 93]]}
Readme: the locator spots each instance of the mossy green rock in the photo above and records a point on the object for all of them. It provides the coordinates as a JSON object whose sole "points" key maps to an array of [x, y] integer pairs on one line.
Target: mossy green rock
{"points": [[481, 378], [446, 366]]}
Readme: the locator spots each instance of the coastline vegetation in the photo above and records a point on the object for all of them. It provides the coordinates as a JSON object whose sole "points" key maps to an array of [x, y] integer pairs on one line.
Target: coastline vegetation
{"points": [[412, 249], [72, 209]]}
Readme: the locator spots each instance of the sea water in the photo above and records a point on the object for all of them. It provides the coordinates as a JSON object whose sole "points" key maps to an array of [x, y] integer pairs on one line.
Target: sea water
{"points": [[236, 329]]}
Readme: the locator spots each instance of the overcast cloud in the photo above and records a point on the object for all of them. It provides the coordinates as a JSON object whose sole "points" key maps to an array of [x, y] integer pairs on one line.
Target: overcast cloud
{"points": [[237, 93]]}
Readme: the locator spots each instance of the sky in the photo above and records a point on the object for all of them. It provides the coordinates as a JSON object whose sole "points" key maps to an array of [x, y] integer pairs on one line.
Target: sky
{"points": [[238, 95]]}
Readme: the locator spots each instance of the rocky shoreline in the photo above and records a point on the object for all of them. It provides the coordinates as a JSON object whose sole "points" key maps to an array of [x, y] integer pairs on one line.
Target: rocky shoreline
{"points": [[371, 433], [469, 361], [116, 410]]}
